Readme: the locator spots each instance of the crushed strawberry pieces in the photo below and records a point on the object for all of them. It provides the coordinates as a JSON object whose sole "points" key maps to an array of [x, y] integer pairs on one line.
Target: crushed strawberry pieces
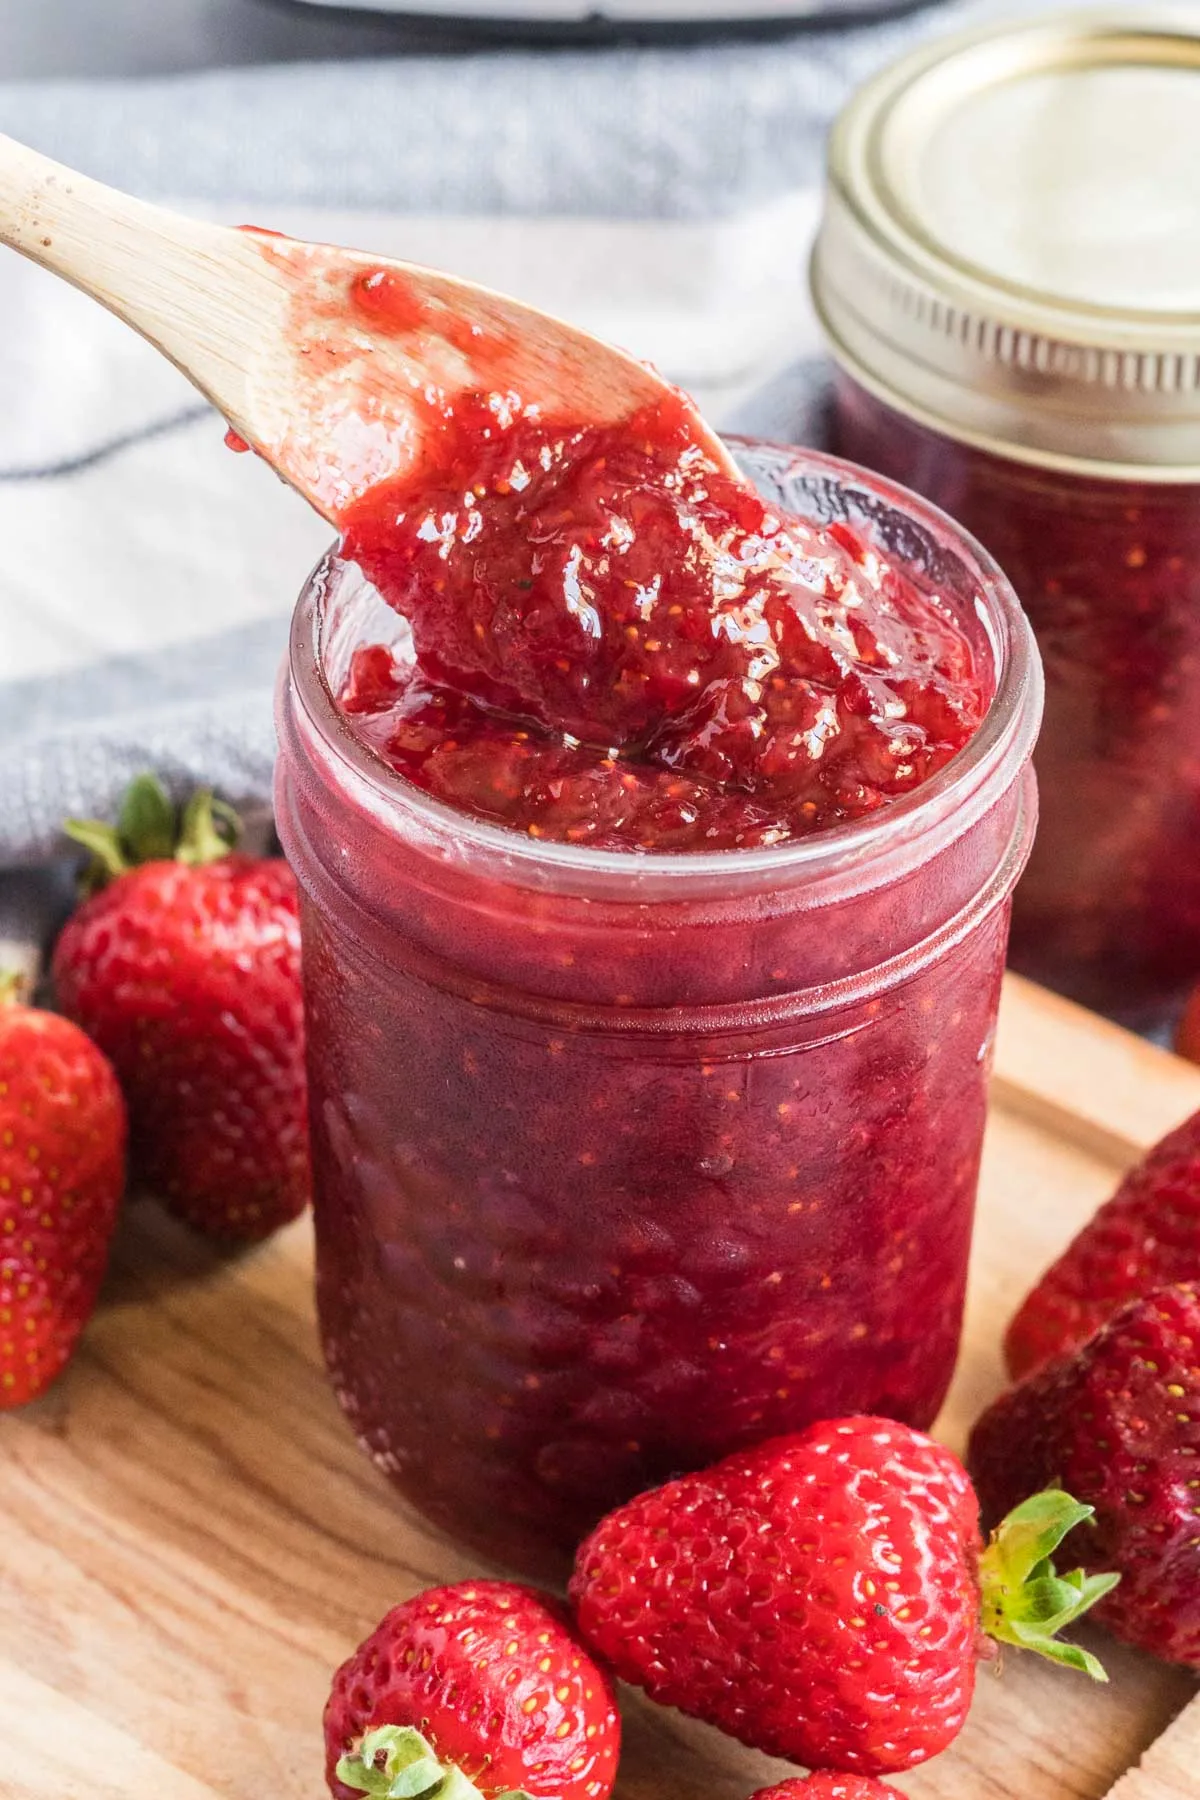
{"points": [[614, 643]]}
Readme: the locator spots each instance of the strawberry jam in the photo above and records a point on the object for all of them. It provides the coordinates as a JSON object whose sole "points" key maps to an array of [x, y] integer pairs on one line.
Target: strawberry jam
{"points": [[1109, 572], [614, 642], [628, 1154]]}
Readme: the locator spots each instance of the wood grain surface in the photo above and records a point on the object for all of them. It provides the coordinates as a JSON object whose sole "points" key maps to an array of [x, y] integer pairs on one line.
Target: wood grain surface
{"points": [[1170, 1769], [192, 1540]]}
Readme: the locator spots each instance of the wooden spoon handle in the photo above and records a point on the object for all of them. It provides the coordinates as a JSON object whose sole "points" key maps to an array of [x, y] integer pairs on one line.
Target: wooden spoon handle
{"points": [[266, 330], [166, 275]]}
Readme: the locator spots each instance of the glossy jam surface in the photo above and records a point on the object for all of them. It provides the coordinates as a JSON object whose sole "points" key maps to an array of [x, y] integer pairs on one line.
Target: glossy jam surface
{"points": [[614, 643], [1109, 573], [612, 1178]]}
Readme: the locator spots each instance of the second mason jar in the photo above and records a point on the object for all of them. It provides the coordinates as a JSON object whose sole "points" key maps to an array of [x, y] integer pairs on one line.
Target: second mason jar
{"points": [[624, 1160], [1008, 272]]}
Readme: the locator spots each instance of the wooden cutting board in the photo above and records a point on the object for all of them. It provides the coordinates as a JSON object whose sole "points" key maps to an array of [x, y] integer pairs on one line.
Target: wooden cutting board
{"points": [[191, 1541]]}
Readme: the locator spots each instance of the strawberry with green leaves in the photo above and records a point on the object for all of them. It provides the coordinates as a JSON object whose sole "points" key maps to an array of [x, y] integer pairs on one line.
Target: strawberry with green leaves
{"points": [[184, 967], [1118, 1421], [479, 1691], [824, 1597], [62, 1173]]}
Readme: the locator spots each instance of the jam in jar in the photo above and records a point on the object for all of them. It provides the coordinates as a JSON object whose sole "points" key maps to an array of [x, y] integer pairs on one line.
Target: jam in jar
{"points": [[632, 1146]]}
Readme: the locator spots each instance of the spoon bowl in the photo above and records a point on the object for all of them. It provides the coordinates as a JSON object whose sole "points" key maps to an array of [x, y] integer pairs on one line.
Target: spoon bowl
{"points": [[323, 360]]}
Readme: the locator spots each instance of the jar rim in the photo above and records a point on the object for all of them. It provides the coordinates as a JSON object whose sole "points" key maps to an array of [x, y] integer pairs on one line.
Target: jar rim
{"points": [[952, 798]]}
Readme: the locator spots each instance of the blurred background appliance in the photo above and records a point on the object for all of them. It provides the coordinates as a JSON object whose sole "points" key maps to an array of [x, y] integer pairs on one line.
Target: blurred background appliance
{"points": [[617, 13], [143, 37]]}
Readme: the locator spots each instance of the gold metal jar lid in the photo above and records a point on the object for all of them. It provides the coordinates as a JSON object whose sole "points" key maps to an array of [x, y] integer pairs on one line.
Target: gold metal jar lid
{"points": [[1010, 249]]}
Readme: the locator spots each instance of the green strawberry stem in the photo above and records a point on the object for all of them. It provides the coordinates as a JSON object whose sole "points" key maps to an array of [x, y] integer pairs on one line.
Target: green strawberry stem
{"points": [[1024, 1600], [12, 987], [394, 1762], [208, 831], [149, 828]]}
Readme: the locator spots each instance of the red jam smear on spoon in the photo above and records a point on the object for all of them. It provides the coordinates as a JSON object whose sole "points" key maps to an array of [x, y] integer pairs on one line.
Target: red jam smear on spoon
{"points": [[613, 640]]}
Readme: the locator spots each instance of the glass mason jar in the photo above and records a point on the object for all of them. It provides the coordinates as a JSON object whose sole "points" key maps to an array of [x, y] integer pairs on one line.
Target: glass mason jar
{"points": [[1109, 573], [624, 1160], [1008, 272]]}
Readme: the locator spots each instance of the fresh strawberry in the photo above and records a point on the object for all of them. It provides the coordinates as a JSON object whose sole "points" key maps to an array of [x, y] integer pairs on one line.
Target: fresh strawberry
{"points": [[62, 1171], [1146, 1236], [471, 1692], [1118, 1421], [830, 1787], [819, 1597], [186, 971]]}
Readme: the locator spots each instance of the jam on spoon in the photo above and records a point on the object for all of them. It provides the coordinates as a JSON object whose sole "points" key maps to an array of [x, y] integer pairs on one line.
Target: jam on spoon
{"points": [[613, 641]]}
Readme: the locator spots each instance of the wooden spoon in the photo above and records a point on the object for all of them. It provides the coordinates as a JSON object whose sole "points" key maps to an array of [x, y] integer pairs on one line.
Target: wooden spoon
{"points": [[316, 356]]}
